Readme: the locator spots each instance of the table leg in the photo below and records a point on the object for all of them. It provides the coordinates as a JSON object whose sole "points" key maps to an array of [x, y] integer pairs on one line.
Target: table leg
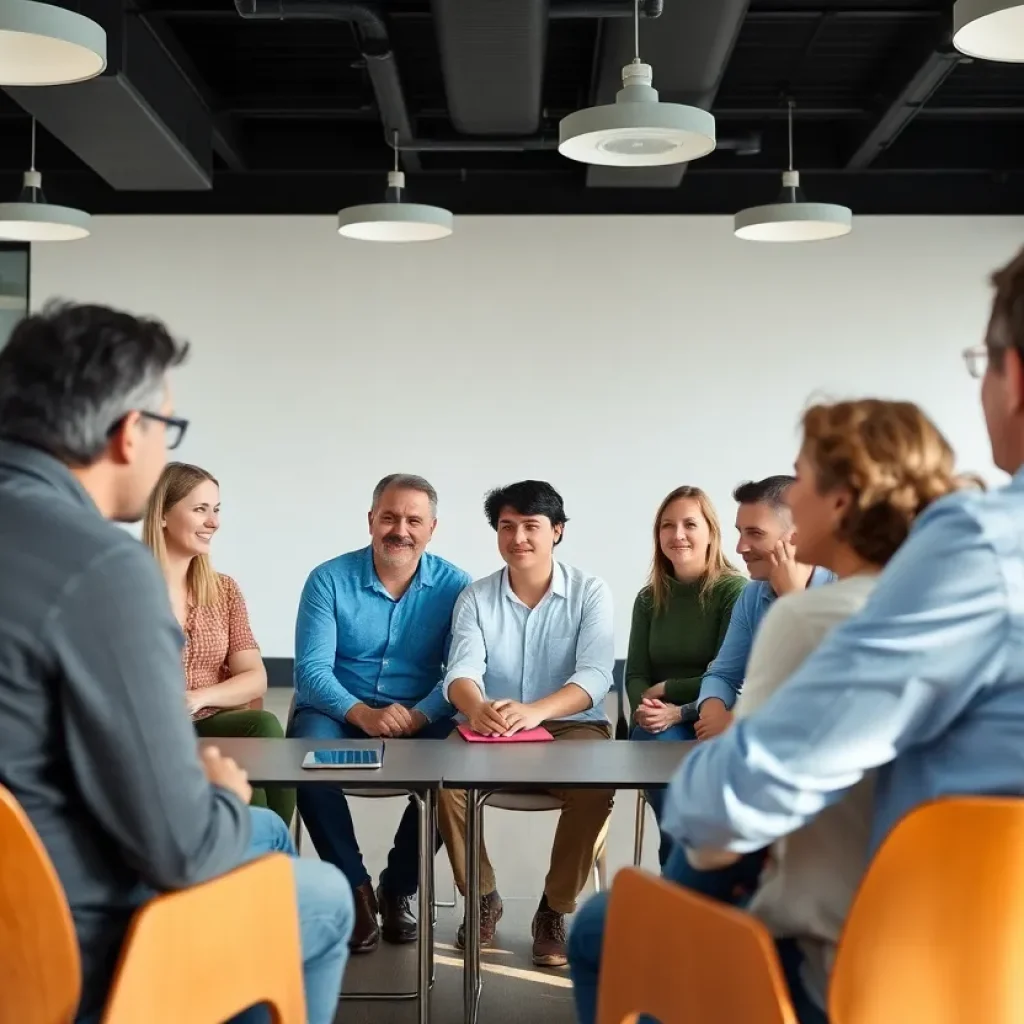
{"points": [[425, 944], [471, 983]]}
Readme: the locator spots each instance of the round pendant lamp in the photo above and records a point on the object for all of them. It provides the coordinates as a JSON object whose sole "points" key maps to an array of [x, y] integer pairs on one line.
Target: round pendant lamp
{"points": [[32, 219], [637, 130], [41, 44], [990, 29], [791, 218], [395, 220]]}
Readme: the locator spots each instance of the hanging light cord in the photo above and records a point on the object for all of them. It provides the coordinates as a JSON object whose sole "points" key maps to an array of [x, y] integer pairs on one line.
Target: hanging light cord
{"points": [[790, 120], [32, 163], [398, 190], [636, 31]]}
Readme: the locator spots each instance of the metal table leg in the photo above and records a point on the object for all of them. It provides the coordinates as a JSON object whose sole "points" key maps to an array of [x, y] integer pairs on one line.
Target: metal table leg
{"points": [[425, 943], [471, 983]]}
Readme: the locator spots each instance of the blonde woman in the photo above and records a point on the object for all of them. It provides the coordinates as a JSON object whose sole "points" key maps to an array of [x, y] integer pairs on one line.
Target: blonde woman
{"points": [[224, 671], [679, 619]]}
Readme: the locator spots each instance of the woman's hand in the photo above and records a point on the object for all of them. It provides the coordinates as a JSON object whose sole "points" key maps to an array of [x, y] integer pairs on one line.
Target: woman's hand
{"points": [[656, 716], [194, 701], [655, 692]]}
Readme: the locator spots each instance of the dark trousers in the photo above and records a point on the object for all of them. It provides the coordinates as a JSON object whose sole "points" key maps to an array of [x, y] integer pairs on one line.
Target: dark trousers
{"points": [[328, 820]]}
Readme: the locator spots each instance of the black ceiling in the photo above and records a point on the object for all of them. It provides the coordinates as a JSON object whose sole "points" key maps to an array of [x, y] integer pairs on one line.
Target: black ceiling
{"points": [[291, 114]]}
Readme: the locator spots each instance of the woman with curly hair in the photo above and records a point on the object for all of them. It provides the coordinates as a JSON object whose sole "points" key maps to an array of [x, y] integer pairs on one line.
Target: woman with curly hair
{"points": [[865, 471]]}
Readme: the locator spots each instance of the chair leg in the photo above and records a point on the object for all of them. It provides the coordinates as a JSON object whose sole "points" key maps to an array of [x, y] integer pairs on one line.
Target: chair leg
{"points": [[601, 871], [297, 832], [638, 829]]}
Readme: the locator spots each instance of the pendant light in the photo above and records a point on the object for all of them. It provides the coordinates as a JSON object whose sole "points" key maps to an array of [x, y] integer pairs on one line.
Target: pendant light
{"points": [[42, 44], [637, 130], [393, 220], [33, 219], [990, 29], [790, 218]]}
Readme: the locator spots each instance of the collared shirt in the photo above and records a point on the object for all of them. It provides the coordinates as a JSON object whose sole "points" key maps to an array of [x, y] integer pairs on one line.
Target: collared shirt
{"points": [[95, 739], [355, 644], [724, 677], [925, 684], [513, 652]]}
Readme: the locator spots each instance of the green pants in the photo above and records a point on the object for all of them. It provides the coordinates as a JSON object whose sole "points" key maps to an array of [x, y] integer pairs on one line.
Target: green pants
{"points": [[253, 723]]}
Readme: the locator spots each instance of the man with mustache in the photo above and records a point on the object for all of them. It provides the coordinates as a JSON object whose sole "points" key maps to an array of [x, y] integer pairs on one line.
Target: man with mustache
{"points": [[765, 526], [370, 646], [533, 644]]}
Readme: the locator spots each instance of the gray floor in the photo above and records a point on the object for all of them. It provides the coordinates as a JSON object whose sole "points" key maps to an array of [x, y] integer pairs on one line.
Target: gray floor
{"points": [[514, 990]]}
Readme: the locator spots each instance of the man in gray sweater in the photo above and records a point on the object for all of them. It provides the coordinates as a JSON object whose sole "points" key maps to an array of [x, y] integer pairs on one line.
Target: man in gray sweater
{"points": [[95, 740]]}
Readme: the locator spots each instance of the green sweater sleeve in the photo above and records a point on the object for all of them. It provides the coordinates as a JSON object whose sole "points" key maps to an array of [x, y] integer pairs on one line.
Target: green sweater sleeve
{"points": [[719, 606], [638, 657]]}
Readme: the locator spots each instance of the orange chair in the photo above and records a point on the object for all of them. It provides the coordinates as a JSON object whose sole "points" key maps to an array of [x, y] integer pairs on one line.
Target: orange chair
{"points": [[200, 955], [732, 974], [936, 932]]}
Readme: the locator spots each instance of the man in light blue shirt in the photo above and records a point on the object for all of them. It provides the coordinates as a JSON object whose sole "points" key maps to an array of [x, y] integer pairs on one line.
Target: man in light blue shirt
{"points": [[533, 645], [765, 527], [370, 645], [926, 684]]}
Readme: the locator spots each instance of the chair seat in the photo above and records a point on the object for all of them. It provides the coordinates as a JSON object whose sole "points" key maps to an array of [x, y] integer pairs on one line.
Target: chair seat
{"points": [[379, 794], [510, 801]]}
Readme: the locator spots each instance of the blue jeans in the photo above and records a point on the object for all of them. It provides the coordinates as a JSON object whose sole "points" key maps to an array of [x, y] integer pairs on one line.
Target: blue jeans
{"points": [[326, 916], [656, 797], [586, 938], [328, 820]]}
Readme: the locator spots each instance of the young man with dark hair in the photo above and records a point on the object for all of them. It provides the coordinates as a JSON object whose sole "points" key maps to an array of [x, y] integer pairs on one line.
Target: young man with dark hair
{"points": [[765, 527], [533, 644], [95, 740]]}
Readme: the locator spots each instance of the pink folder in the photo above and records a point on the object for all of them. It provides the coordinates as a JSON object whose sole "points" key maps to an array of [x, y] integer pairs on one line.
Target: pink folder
{"points": [[538, 735]]}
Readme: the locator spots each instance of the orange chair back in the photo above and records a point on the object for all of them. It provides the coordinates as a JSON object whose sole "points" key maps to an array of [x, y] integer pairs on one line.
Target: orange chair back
{"points": [[684, 959], [936, 932], [40, 970], [204, 954]]}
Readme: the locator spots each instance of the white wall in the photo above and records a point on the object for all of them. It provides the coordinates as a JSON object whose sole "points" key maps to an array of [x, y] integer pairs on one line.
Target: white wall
{"points": [[616, 357]]}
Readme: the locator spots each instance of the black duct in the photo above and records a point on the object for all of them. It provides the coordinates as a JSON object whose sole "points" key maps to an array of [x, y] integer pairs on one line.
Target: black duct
{"points": [[374, 44], [139, 125], [688, 47]]}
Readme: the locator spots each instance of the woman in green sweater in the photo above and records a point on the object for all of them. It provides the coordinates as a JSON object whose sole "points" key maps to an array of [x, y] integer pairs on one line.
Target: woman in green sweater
{"points": [[679, 620]]}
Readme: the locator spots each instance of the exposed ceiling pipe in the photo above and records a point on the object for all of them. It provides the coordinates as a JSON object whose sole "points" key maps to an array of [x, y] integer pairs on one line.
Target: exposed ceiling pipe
{"points": [[374, 44], [748, 144], [604, 8]]}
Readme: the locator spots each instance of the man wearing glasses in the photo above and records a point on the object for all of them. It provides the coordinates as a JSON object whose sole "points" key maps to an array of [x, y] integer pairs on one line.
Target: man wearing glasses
{"points": [[95, 740]]}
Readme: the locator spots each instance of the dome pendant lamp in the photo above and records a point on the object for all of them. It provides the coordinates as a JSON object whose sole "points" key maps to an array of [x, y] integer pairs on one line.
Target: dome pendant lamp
{"points": [[990, 29], [791, 218], [394, 220], [42, 44], [637, 130], [32, 219]]}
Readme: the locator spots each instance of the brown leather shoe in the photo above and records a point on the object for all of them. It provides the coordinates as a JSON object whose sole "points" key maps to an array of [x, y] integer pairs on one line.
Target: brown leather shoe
{"points": [[548, 931], [397, 925], [491, 909], [365, 933]]}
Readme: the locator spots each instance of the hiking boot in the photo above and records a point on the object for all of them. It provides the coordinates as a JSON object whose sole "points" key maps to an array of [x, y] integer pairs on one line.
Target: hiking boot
{"points": [[548, 930], [491, 910]]}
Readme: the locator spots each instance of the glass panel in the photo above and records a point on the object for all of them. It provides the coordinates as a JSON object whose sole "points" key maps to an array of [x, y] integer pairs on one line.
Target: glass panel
{"points": [[13, 288]]}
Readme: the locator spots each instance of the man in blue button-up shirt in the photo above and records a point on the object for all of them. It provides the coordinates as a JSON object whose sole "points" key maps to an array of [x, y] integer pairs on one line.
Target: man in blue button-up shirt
{"points": [[765, 526], [533, 644], [370, 647]]}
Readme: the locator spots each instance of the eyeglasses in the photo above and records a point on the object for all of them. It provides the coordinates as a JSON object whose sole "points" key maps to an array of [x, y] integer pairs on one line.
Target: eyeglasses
{"points": [[976, 359], [176, 427]]}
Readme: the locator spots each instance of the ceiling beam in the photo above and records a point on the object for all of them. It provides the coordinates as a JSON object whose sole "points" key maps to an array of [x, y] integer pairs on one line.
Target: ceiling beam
{"points": [[903, 105]]}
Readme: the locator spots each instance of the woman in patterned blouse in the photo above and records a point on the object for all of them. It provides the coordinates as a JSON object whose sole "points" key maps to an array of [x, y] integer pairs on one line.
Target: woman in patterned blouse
{"points": [[224, 671]]}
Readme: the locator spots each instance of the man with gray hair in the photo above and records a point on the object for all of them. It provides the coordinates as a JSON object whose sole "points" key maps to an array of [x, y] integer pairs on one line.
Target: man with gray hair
{"points": [[371, 642], [95, 740]]}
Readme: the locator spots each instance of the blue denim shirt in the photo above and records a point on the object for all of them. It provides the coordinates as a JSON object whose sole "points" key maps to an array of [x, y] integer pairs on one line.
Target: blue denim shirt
{"points": [[354, 643], [724, 677]]}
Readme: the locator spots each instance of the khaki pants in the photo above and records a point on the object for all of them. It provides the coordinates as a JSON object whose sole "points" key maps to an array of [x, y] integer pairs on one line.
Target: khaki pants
{"points": [[579, 838]]}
